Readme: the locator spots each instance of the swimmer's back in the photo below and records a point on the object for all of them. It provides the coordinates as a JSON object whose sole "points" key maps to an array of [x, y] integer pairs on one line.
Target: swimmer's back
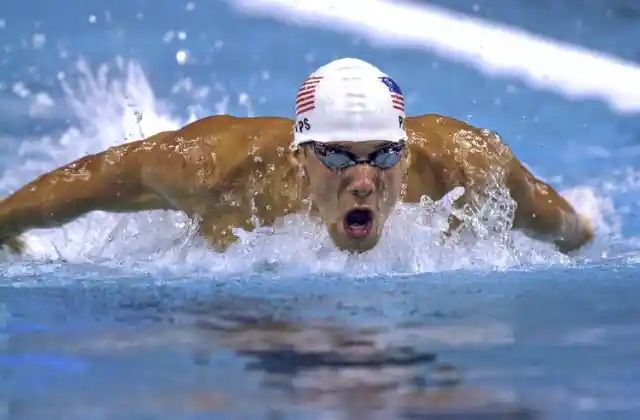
{"points": [[213, 151]]}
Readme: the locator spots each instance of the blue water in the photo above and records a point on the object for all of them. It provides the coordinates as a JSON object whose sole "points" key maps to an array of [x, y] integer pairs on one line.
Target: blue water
{"points": [[128, 317]]}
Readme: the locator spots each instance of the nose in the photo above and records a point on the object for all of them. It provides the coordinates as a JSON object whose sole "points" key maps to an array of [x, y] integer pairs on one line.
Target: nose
{"points": [[362, 188]]}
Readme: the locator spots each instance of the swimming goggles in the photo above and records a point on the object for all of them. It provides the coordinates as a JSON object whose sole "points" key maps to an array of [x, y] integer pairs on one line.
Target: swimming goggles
{"points": [[340, 159]]}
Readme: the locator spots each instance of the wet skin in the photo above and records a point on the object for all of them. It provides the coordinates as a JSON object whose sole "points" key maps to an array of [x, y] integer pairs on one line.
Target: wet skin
{"points": [[222, 170]]}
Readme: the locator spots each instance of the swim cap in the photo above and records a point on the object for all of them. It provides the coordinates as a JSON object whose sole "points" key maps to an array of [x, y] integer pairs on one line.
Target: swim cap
{"points": [[349, 100]]}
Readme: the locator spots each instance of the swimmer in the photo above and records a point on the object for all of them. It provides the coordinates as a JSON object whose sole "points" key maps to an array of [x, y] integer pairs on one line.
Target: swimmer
{"points": [[348, 158]]}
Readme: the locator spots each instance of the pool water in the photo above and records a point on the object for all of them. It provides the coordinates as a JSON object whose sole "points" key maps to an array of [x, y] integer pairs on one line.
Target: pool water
{"points": [[132, 317]]}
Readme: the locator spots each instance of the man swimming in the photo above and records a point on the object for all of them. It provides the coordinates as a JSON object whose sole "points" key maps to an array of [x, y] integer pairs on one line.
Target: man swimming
{"points": [[351, 156]]}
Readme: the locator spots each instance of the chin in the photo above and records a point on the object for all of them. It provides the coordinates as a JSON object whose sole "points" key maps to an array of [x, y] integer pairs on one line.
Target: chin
{"points": [[359, 245]]}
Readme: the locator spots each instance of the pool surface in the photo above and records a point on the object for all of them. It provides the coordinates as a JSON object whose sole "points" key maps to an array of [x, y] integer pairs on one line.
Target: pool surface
{"points": [[131, 317]]}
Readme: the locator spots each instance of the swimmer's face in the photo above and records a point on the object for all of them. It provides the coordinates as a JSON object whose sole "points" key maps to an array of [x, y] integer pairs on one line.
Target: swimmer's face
{"points": [[354, 200]]}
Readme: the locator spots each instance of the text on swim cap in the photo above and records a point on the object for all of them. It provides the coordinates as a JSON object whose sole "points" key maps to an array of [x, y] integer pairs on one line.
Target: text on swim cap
{"points": [[302, 125]]}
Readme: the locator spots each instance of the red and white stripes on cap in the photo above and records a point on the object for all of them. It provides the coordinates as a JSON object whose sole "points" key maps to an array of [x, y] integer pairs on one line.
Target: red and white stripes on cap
{"points": [[306, 99], [396, 93], [349, 100]]}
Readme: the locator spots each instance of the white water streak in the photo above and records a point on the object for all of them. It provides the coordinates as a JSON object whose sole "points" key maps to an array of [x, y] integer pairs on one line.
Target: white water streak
{"points": [[494, 49]]}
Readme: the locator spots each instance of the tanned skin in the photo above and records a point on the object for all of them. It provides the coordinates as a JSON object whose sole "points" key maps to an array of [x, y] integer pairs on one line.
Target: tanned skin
{"points": [[222, 170]]}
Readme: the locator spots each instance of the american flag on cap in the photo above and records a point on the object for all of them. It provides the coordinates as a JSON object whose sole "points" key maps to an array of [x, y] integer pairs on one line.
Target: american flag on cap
{"points": [[306, 99], [396, 94]]}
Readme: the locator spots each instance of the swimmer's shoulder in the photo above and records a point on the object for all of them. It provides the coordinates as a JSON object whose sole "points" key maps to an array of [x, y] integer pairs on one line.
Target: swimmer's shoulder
{"points": [[240, 133], [233, 144], [442, 135], [431, 129], [432, 135]]}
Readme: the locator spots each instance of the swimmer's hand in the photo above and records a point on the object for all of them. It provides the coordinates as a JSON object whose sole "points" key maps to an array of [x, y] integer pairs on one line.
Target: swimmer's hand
{"points": [[14, 245], [582, 234]]}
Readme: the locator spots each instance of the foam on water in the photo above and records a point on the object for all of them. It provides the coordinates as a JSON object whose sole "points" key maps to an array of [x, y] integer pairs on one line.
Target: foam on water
{"points": [[116, 104]]}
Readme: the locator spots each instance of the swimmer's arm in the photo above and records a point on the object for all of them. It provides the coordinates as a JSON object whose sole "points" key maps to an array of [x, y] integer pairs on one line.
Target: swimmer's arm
{"points": [[545, 215], [107, 181]]}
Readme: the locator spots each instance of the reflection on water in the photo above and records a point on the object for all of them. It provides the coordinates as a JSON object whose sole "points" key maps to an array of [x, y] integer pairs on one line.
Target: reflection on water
{"points": [[186, 363], [498, 346], [359, 373], [300, 371]]}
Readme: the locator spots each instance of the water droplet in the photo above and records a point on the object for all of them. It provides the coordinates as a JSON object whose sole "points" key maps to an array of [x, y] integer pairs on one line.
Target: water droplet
{"points": [[182, 56]]}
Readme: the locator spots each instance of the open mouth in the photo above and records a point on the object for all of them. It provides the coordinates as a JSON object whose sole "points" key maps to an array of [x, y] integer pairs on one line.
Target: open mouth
{"points": [[358, 222]]}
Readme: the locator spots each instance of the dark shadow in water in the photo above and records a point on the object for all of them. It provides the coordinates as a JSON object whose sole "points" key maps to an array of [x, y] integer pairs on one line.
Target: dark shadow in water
{"points": [[151, 353], [359, 372]]}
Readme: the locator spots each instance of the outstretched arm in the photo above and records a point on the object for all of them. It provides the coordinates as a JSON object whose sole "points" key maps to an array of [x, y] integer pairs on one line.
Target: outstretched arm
{"points": [[478, 160], [542, 213], [108, 181]]}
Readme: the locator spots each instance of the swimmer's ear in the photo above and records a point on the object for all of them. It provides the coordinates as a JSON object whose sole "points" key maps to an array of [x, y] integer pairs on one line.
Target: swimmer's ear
{"points": [[296, 159]]}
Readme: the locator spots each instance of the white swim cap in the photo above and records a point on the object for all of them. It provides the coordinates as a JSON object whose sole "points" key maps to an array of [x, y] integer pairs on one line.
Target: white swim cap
{"points": [[349, 100]]}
